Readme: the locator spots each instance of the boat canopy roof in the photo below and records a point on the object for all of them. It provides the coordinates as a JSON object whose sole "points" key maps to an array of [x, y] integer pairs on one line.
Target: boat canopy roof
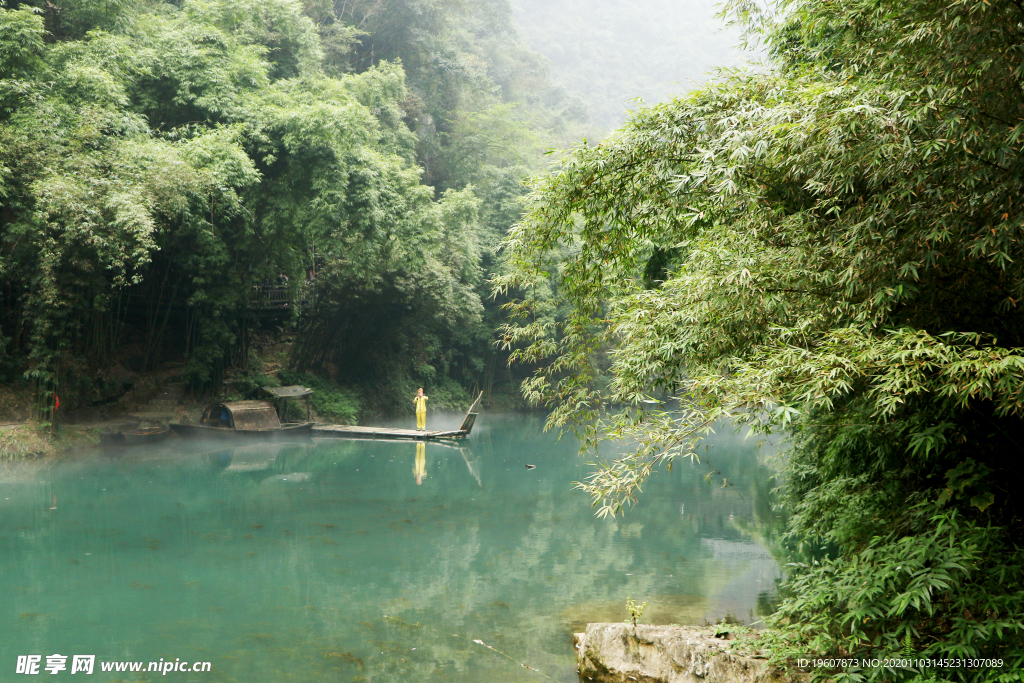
{"points": [[253, 415], [294, 391]]}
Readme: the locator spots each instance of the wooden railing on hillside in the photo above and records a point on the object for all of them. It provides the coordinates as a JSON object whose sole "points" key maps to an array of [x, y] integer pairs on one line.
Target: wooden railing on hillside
{"points": [[279, 297]]}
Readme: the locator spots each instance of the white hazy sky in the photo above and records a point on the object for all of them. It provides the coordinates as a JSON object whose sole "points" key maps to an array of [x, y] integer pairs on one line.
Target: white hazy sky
{"points": [[613, 50]]}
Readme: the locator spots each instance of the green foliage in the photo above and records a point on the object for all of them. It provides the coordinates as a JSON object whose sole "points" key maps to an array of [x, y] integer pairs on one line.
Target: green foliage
{"points": [[160, 159], [21, 42], [247, 385], [845, 239], [393, 313], [331, 402], [635, 611], [927, 677], [938, 573], [448, 395]]}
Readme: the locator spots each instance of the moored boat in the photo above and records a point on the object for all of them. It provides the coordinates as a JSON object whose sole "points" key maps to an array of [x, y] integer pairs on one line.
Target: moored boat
{"points": [[134, 437], [144, 436], [240, 419]]}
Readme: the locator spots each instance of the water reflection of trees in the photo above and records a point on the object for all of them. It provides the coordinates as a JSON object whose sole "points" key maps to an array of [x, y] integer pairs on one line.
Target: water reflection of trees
{"points": [[481, 549]]}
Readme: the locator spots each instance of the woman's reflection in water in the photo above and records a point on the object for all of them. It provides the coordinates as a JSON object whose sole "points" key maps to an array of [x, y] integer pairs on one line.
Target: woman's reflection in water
{"points": [[421, 462]]}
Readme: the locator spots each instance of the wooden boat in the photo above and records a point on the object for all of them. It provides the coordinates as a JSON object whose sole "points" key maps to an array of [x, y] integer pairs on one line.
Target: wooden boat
{"points": [[144, 436], [240, 419], [134, 437]]}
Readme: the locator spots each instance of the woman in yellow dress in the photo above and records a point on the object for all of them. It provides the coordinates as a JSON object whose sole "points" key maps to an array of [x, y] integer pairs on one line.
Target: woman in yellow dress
{"points": [[421, 410]]}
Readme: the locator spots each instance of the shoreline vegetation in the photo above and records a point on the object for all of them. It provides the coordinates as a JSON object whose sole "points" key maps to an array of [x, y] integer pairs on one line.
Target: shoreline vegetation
{"points": [[185, 184], [22, 436]]}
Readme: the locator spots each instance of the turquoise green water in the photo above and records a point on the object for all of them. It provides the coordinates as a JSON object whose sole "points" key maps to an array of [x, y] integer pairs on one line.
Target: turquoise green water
{"points": [[354, 561]]}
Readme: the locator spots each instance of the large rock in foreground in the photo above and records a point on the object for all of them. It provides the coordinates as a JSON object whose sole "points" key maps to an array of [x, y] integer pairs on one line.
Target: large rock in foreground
{"points": [[620, 653]]}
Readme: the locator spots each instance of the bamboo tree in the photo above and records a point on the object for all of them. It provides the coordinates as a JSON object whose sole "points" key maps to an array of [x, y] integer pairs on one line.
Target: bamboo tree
{"points": [[846, 242]]}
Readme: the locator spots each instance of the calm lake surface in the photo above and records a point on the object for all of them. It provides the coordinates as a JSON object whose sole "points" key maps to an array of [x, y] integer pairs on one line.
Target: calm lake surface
{"points": [[366, 561]]}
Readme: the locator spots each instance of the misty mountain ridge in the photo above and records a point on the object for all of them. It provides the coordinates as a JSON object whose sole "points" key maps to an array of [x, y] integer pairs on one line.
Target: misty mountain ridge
{"points": [[612, 51]]}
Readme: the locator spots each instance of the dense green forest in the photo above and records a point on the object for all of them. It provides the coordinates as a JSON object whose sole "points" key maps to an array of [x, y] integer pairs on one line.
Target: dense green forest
{"points": [[829, 249], [605, 53], [160, 161]]}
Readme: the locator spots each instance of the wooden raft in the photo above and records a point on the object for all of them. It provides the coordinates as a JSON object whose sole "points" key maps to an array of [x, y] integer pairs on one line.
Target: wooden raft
{"points": [[396, 433]]}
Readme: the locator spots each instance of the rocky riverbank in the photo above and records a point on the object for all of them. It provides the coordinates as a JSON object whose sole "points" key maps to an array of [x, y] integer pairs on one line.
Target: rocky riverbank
{"points": [[622, 653]]}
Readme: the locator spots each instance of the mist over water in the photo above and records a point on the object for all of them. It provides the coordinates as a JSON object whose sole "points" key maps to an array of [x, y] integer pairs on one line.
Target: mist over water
{"points": [[359, 561]]}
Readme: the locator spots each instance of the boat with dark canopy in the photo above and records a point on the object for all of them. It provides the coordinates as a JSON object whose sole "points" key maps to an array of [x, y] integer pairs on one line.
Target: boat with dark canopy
{"points": [[239, 419]]}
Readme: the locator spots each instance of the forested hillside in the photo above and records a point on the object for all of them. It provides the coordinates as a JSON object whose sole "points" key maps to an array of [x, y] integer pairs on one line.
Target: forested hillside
{"points": [[162, 161], [608, 52]]}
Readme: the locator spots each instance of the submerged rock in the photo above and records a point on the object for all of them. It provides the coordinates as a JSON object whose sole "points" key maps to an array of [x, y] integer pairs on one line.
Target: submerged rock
{"points": [[621, 653]]}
